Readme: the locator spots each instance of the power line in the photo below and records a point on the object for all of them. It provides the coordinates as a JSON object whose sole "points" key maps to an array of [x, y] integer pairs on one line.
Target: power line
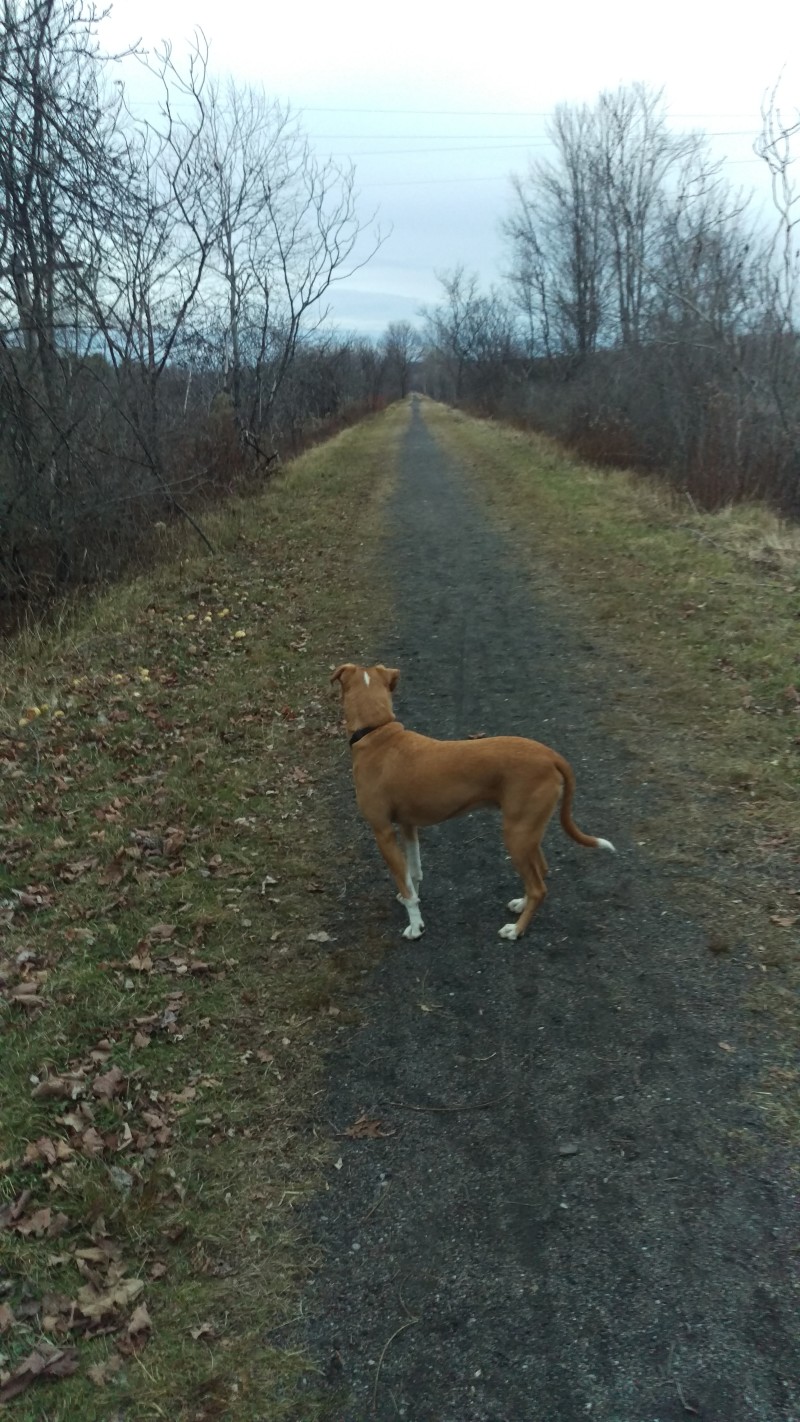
{"points": [[424, 152], [475, 148], [486, 113], [433, 182], [490, 178], [532, 140]]}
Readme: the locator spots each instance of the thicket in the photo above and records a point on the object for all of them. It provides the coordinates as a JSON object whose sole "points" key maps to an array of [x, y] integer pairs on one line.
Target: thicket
{"points": [[163, 290]]}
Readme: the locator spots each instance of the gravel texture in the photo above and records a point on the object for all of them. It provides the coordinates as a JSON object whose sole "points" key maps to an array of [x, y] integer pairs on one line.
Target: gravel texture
{"points": [[578, 1214]]}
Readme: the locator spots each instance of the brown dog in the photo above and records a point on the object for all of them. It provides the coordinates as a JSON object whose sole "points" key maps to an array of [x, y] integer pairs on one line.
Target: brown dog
{"points": [[408, 780]]}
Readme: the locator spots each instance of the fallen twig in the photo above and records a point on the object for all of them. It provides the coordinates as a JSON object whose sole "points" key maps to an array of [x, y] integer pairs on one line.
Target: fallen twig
{"points": [[687, 1406], [396, 1334], [384, 1190], [465, 1106]]}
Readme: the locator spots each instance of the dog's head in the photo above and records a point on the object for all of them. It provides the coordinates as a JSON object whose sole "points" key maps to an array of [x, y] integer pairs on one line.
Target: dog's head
{"points": [[366, 694]]}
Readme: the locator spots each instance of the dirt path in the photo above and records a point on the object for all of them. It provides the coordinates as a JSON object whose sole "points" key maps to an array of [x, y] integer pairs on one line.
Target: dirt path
{"points": [[600, 1229]]}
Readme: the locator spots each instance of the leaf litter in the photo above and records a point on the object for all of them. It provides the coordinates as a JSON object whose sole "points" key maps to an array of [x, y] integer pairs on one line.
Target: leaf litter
{"points": [[125, 826]]}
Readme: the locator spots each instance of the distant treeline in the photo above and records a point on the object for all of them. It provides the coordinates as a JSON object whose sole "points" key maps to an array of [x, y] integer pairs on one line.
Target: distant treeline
{"points": [[646, 318]]}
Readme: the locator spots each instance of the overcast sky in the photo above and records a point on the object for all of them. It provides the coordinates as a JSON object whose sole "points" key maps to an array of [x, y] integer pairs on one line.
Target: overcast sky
{"points": [[437, 103]]}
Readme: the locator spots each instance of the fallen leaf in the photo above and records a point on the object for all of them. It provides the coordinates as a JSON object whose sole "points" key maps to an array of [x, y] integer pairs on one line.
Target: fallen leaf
{"points": [[46, 1361], [25, 989], [92, 1143], [102, 1373], [35, 896], [35, 1224], [366, 1129], [187, 1093], [6, 1318], [47, 1150], [140, 962], [109, 1084], [42, 1222], [93, 1254], [59, 1087], [784, 920], [321, 937], [96, 1304], [70, 872], [26, 999], [206, 1330], [140, 1323], [174, 840], [160, 932], [13, 1209], [726, 1047]]}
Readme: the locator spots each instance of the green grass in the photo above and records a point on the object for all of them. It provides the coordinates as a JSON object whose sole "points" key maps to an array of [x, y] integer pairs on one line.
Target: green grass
{"points": [[697, 618], [164, 755]]}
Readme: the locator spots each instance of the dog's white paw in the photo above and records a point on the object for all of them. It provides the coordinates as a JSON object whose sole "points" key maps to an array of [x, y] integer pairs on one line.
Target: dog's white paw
{"points": [[516, 905], [509, 930], [414, 930]]}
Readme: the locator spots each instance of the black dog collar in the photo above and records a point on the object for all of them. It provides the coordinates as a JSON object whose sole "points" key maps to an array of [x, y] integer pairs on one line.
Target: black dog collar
{"points": [[357, 735]]}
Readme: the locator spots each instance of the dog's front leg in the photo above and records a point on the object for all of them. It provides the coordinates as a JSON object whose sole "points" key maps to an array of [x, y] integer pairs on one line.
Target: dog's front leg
{"points": [[395, 859], [410, 840]]}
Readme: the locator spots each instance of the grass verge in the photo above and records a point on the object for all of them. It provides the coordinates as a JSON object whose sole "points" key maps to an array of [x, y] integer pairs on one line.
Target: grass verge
{"points": [[166, 983], [696, 616]]}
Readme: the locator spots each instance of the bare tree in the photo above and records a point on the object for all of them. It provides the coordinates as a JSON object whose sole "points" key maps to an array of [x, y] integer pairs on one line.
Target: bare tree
{"points": [[402, 347], [57, 149], [776, 145], [470, 339], [165, 229], [635, 154], [558, 242], [244, 146], [449, 326], [305, 241]]}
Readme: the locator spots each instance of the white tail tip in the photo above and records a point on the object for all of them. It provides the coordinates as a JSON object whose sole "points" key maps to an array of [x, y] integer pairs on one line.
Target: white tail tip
{"points": [[606, 844]]}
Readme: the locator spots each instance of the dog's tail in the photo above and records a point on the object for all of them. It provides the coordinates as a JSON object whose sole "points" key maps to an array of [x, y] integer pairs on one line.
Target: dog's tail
{"points": [[590, 841]]}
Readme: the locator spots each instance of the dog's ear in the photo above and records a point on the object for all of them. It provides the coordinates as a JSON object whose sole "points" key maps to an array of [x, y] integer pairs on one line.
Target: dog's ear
{"points": [[388, 674], [343, 672]]}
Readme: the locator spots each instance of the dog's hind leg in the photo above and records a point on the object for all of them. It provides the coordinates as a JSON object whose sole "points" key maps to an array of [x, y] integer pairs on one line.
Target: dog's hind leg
{"points": [[517, 905], [527, 858], [398, 867]]}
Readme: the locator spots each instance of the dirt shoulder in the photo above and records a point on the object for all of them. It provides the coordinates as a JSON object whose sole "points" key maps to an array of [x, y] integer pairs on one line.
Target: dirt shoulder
{"points": [[573, 1205]]}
